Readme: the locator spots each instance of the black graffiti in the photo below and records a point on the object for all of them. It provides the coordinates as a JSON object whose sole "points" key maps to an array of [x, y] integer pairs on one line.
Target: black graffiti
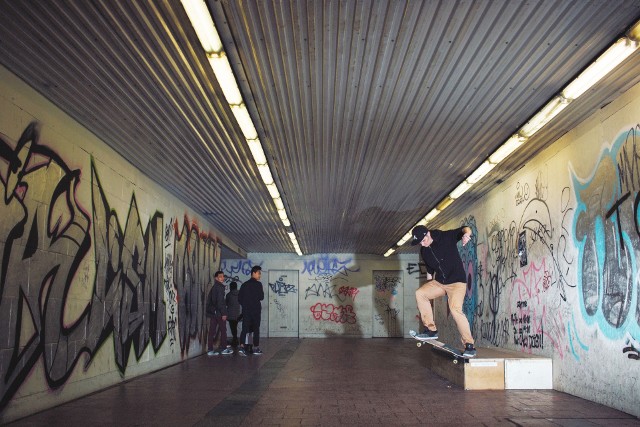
{"points": [[193, 269], [386, 283], [419, 268], [45, 231], [281, 288], [522, 335], [495, 331], [633, 353]]}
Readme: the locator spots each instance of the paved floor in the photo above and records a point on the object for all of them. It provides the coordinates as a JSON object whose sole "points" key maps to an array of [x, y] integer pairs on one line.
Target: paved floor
{"points": [[328, 382]]}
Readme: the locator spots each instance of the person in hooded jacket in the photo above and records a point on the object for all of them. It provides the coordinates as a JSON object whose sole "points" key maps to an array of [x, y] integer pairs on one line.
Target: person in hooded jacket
{"points": [[233, 312], [439, 251], [216, 311]]}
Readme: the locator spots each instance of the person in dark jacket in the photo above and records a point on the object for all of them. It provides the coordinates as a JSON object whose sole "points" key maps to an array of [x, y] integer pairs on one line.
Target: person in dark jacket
{"points": [[233, 312], [440, 254], [250, 295], [216, 311]]}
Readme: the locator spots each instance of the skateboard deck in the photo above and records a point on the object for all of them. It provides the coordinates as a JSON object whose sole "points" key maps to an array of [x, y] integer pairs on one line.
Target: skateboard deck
{"points": [[442, 347]]}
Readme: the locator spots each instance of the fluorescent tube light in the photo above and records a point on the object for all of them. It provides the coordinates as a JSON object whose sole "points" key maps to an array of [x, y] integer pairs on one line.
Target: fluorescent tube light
{"points": [[286, 222], [544, 116], [480, 173], [509, 146], [226, 79], [405, 238], [389, 252], [634, 32], [444, 203], [203, 24], [278, 203], [273, 190], [265, 173], [244, 120], [256, 151], [283, 214], [609, 60], [460, 190], [434, 213]]}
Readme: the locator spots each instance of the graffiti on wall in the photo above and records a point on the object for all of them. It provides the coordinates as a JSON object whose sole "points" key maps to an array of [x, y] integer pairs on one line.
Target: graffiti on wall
{"points": [[58, 300], [327, 264], [469, 256], [607, 234], [194, 264], [46, 232], [387, 303], [521, 267]]}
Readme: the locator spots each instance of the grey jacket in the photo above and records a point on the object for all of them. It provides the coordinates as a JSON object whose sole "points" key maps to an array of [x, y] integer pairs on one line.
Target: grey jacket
{"points": [[216, 305], [233, 306]]}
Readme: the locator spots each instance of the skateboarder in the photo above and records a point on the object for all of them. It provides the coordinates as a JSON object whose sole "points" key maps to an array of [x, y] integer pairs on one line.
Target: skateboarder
{"points": [[439, 252]]}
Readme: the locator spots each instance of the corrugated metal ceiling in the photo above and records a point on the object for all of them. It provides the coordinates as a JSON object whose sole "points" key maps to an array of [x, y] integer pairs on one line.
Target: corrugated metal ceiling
{"points": [[370, 112]]}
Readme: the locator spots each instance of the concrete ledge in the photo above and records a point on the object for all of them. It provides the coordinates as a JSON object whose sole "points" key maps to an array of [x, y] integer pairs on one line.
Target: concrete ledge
{"points": [[494, 369]]}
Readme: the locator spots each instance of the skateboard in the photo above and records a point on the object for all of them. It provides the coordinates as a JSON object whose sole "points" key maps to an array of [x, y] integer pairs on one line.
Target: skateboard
{"points": [[440, 346]]}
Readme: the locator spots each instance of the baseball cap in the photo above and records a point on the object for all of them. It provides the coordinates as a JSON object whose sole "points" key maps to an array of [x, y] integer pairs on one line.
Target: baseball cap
{"points": [[418, 232]]}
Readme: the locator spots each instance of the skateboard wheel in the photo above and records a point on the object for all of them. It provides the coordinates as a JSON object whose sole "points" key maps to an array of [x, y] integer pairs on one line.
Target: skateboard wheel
{"points": [[455, 362], [419, 344]]}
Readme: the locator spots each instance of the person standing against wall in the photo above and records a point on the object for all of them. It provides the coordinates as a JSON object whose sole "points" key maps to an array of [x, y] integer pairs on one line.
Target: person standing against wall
{"points": [[250, 295], [440, 254], [233, 312], [216, 311]]}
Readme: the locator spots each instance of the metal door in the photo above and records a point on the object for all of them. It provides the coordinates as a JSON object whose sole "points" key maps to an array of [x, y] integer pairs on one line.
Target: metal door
{"points": [[283, 303], [387, 303]]}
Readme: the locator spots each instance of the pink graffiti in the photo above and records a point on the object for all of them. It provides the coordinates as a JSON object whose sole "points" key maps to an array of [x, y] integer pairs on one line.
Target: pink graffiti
{"points": [[532, 282], [530, 330], [348, 291], [333, 313]]}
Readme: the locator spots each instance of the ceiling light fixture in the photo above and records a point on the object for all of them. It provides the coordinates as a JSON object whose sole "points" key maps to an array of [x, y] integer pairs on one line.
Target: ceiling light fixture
{"points": [[222, 69], [609, 60], [544, 116], [505, 150], [205, 29], [201, 21], [244, 120], [603, 65]]}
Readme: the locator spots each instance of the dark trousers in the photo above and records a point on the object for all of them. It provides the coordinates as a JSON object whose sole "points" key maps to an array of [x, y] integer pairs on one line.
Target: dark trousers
{"points": [[217, 325], [233, 325], [250, 323]]}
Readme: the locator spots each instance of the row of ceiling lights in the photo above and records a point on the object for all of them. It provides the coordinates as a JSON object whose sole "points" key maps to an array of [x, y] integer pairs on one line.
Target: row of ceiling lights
{"points": [[202, 23], [205, 29], [609, 60]]}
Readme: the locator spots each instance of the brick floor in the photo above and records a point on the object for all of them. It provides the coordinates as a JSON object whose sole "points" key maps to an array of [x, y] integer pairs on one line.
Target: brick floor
{"points": [[320, 382]]}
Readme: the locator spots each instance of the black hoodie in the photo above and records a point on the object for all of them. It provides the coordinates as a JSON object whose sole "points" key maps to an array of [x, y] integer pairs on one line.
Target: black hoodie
{"points": [[250, 295], [442, 258]]}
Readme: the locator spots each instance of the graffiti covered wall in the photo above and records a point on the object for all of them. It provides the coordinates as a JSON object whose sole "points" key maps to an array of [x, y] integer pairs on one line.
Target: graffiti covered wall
{"points": [[97, 278], [336, 291], [554, 268]]}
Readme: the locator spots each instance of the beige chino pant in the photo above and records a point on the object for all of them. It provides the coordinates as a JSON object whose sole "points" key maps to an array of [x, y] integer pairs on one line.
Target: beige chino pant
{"points": [[455, 294]]}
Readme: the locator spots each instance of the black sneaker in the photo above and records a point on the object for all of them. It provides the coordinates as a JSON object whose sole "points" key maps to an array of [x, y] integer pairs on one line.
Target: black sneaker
{"points": [[469, 350], [427, 335]]}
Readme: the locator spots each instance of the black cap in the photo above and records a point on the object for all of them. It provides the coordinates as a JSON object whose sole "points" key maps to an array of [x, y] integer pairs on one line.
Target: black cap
{"points": [[419, 232]]}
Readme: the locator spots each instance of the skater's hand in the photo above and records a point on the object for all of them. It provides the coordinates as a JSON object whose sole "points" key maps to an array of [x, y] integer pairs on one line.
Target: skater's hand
{"points": [[466, 238]]}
